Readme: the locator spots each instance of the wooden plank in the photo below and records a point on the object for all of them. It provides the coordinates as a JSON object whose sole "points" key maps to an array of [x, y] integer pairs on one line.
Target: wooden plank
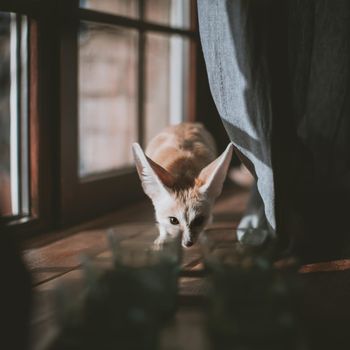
{"points": [[139, 213], [336, 265], [43, 326], [64, 255]]}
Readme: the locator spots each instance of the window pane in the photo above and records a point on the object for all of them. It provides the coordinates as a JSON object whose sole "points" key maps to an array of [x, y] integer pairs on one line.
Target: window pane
{"points": [[175, 13], [13, 115], [127, 8], [107, 97], [166, 76]]}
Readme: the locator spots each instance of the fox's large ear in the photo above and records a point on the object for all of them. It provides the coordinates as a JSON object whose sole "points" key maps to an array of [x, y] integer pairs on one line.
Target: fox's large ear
{"points": [[214, 174], [155, 179]]}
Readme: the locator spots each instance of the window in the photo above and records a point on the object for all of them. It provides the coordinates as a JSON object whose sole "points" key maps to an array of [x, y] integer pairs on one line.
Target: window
{"points": [[13, 116], [111, 59], [131, 61], [82, 80], [107, 97], [166, 92], [128, 8], [174, 13]]}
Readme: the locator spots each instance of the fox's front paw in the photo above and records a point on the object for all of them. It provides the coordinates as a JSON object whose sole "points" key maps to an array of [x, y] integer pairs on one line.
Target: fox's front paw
{"points": [[158, 243]]}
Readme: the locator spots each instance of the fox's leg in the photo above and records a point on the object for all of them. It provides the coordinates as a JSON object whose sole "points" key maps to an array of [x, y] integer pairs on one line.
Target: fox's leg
{"points": [[254, 228], [159, 241]]}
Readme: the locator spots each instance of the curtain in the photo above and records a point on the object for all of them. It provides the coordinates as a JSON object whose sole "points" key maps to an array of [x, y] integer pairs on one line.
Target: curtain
{"points": [[279, 75]]}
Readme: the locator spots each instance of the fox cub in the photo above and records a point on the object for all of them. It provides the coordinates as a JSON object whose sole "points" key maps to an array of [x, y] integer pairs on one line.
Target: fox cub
{"points": [[182, 176]]}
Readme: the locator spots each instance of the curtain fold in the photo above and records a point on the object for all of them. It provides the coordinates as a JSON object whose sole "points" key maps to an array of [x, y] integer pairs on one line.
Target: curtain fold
{"points": [[237, 77]]}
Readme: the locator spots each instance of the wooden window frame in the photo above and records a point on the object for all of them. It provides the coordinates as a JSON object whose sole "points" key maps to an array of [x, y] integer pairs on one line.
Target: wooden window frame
{"points": [[40, 128], [58, 198]]}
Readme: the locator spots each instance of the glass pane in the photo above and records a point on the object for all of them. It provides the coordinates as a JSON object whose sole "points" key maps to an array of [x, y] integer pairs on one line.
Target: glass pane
{"points": [[175, 13], [13, 114], [5, 118], [127, 8], [166, 76], [107, 97]]}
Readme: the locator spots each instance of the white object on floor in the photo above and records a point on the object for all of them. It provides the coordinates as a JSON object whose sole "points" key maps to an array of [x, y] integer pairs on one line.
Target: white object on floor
{"points": [[253, 228]]}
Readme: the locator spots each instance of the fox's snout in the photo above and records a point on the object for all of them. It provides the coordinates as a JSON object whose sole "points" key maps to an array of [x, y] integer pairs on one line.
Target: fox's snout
{"points": [[187, 243]]}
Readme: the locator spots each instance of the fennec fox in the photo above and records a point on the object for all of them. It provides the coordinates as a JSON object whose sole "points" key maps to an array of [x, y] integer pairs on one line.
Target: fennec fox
{"points": [[182, 178]]}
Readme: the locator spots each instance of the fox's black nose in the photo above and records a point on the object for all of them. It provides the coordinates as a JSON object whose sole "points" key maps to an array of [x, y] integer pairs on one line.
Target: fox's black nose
{"points": [[189, 244]]}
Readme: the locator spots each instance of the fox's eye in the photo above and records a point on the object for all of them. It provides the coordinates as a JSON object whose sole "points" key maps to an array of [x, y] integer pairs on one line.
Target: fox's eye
{"points": [[173, 220]]}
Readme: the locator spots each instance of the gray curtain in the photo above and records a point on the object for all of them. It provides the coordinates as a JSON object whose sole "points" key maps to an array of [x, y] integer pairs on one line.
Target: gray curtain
{"points": [[279, 75]]}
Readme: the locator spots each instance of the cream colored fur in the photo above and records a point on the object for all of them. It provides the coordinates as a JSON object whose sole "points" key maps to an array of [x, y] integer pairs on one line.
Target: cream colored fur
{"points": [[183, 178]]}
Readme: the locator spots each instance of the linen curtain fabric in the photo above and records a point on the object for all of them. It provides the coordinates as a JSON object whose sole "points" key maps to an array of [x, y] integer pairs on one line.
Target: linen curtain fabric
{"points": [[279, 75]]}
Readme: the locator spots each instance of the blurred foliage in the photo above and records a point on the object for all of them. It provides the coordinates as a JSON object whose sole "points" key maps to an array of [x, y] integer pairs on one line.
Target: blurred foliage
{"points": [[122, 307], [252, 303]]}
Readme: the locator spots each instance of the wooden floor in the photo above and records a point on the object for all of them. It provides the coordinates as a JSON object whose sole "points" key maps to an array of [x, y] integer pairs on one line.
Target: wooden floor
{"points": [[53, 263], [56, 260]]}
